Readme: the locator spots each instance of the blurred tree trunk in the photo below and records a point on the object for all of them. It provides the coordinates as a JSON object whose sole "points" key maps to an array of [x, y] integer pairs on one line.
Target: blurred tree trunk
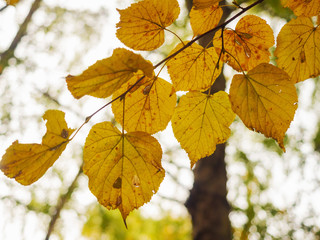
{"points": [[207, 203]]}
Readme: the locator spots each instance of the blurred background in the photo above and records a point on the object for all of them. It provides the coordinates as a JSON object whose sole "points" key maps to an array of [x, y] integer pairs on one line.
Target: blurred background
{"points": [[272, 195]]}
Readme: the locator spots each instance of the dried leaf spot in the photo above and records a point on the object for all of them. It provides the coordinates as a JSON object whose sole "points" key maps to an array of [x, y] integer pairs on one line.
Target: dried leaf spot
{"points": [[117, 183], [64, 133], [136, 181]]}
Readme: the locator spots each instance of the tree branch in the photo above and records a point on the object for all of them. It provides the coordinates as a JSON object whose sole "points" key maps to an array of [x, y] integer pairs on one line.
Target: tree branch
{"points": [[9, 53], [61, 203], [4, 7]]}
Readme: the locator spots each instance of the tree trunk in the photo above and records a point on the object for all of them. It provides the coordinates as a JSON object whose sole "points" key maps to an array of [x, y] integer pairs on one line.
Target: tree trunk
{"points": [[207, 203]]}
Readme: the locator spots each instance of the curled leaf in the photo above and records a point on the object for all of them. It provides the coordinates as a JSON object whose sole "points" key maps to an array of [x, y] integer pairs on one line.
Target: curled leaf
{"points": [[142, 25], [28, 162], [106, 76], [124, 170]]}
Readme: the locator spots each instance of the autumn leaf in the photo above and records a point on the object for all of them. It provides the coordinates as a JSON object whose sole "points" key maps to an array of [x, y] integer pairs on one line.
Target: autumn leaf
{"points": [[28, 162], [205, 19], [12, 2], [306, 8], [248, 45], [265, 99], [148, 108], [142, 25], [298, 51], [195, 68], [124, 170], [106, 76], [202, 121], [200, 4]]}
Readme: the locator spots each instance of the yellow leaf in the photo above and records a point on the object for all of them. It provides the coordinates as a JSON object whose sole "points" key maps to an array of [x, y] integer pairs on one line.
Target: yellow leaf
{"points": [[142, 25], [106, 76], [200, 4], [203, 20], [12, 2], [298, 51], [306, 8], [124, 170], [265, 99], [28, 162], [202, 121], [148, 108], [248, 45], [195, 68]]}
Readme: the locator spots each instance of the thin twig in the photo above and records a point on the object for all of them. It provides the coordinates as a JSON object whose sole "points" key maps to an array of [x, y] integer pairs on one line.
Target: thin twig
{"points": [[61, 203], [3, 8]]}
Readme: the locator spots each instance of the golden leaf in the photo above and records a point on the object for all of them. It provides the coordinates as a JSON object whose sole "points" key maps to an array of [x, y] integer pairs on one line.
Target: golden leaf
{"points": [[248, 45], [195, 68], [306, 8], [202, 121], [106, 76], [200, 4], [28, 162], [298, 51], [265, 99], [148, 108], [142, 25], [124, 170], [12, 2], [203, 20]]}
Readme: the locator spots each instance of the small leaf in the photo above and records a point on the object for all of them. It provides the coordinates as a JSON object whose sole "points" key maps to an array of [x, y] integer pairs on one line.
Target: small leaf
{"points": [[200, 4], [106, 76], [205, 19], [142, 25], [195, 68], [148, 108], [248, 45], [306, 8], [202, 121], [265, 99], [298, 51], [124, 170], [28, 162], [12, 2]]}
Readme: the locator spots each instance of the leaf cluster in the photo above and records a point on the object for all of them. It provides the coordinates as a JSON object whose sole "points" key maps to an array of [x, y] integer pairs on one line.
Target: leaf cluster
{"points": [[124, 166]]}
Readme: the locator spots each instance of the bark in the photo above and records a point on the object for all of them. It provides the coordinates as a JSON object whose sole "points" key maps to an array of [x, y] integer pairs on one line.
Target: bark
{"points": [[207, 203]]}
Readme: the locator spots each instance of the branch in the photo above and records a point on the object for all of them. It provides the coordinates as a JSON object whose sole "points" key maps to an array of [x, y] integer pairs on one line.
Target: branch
{"points": [[61, 203], [9, 53], [208, 32], [4, 7]]}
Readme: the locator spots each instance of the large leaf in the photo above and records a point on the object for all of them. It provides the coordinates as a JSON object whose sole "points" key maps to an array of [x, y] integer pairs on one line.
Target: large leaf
{"points": [[124, 170], [205, 19], [306, 8], [142, 25], [28, 162], [106, 76], [202, 121], [248, 45], [148, 108], [298, 49], [195, 68], [265, 99]]}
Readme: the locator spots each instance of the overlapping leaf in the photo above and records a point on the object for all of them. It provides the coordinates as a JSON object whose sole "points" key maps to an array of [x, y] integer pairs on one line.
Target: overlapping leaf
{"points": [[202, 121], [195, 68], [201, 4], [124, 170], [148, 108], [248, 45], [205, 19], [106, 76], [298, 49], [265, 99], [306, 8], [142, 25], [28, 162]]}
